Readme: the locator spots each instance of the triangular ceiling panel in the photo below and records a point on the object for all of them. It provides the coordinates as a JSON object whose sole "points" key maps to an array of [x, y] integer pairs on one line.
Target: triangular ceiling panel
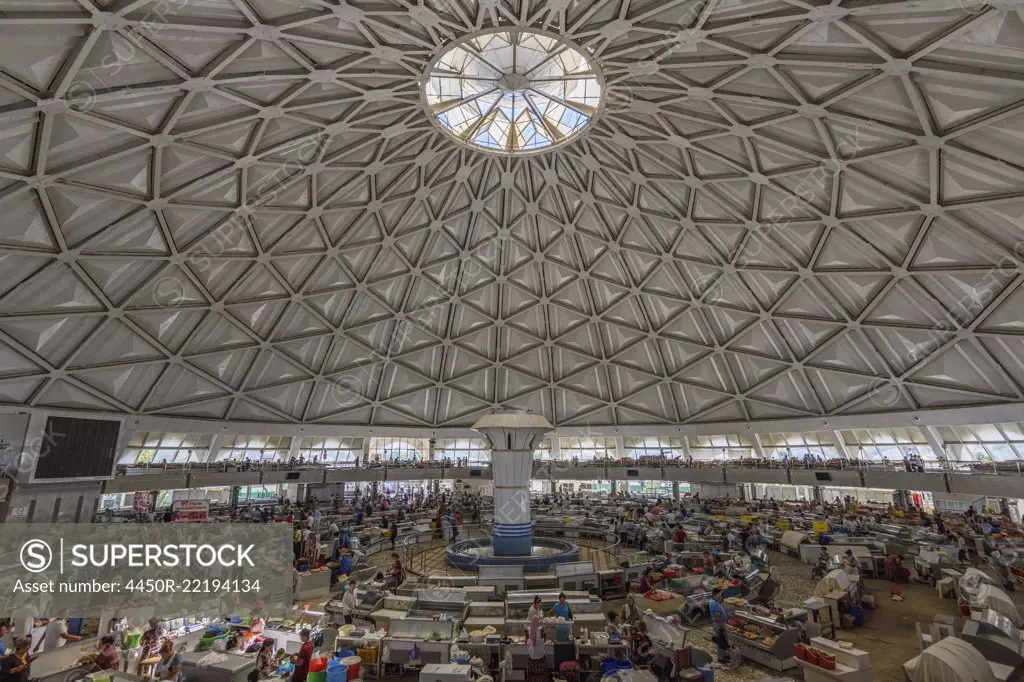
{"points": [[803, 202]]}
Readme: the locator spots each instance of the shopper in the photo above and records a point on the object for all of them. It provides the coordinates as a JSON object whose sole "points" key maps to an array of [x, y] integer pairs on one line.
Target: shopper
{"points": [[108, 658], [302, 658], [961, 550], [16, 665], [349, 602], [397, 572], [630, 612], [643, 647], [149, 644], [55, 635], [537, 668], [168, 668], [719, 618]]}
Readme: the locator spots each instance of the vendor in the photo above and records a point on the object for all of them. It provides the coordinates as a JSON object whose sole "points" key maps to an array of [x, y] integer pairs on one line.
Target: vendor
{"points": [[168, 668], [16, 665], [55, 635], [107, 659], [613, 629], [725, 569], [561, 609], [265, 663], [719, 619], [644, 585], [709, 563], [850, 562], [679, 535], [823, 559], [349, 602], [301, 659]]}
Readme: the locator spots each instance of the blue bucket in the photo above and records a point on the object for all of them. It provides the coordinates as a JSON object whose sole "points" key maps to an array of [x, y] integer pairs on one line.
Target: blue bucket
{"points": [[345, 653], [708, 672], [858, 614], [339, 673]]}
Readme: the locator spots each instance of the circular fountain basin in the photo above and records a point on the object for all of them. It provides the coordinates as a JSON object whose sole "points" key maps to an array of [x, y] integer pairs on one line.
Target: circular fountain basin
{"points": [[468, 555]]}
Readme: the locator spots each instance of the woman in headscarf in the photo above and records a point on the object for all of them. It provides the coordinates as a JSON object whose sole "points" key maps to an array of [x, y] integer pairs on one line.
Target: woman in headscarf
{"points": [[537, 668]]}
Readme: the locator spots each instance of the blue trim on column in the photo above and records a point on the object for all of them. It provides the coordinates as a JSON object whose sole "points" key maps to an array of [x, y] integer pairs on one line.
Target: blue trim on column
{"points": [[510, 530], [519, 545]]}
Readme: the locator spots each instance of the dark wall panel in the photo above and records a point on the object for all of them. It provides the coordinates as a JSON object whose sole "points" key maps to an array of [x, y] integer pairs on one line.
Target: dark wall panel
{"points": [[74, 448]]}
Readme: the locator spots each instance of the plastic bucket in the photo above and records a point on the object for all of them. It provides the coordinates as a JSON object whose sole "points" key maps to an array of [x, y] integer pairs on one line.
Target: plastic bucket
{"points": [[319, 676], [608, 667], [338, 673], [708, 672], [352, 663], [345, 653], [858, 614]]}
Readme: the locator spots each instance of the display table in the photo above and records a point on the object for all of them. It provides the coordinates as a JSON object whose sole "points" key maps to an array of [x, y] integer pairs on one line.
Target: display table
{"points": [[233, 667], [312, 585], [777, 655], [444, 672], [663, 607], [852, 665]]}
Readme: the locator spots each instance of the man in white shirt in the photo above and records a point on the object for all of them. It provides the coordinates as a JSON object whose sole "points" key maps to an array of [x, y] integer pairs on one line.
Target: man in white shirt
{"points": [[55, 635], [670, 519]]}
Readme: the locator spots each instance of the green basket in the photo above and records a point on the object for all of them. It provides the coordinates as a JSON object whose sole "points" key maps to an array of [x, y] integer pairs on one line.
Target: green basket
{"points": [[207, 642]]}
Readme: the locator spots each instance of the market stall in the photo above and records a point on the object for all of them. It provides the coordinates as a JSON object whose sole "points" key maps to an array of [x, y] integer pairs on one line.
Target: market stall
{"points": [[417, 641], [285, 631], [212, 666], [502, 578], [762, 639], [827, 661], [312, 584]]}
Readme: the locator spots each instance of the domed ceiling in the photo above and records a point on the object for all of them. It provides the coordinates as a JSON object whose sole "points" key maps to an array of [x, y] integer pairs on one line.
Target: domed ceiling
{"points": [[253, 210]]}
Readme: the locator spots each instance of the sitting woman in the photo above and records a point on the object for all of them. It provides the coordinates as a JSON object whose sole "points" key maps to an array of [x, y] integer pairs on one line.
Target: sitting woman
{"points": [[613, 629], [107, 658]]}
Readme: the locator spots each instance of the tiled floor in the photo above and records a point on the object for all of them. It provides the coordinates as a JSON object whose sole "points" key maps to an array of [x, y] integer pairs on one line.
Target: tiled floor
{"points": [[889, 634]]}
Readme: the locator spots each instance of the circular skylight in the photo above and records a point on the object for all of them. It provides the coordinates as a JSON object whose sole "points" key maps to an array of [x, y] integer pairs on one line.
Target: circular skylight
{"points": [[512, 91]]}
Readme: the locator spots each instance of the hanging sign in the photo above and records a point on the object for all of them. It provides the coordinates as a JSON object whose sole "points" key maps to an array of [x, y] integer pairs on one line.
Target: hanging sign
{"points": [[191, 510]]}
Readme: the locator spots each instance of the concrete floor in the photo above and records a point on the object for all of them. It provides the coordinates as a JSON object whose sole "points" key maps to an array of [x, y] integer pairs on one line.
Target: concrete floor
{"points": [[888, 634]]}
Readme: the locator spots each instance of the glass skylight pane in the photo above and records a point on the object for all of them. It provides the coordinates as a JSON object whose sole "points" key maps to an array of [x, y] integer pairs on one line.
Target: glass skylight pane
{"points": [[491, 91]]}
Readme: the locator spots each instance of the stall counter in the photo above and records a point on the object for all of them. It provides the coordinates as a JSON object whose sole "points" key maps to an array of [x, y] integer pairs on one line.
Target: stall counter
{"points": [[226, 668]]}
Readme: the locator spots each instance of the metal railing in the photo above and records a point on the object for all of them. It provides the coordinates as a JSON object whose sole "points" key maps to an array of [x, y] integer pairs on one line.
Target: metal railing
{"points": [[415, 559], [835, 464], [226, 466]]}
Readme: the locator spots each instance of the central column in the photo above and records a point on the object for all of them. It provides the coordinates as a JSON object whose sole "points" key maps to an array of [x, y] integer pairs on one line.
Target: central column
{"points": [[513, 437]]}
